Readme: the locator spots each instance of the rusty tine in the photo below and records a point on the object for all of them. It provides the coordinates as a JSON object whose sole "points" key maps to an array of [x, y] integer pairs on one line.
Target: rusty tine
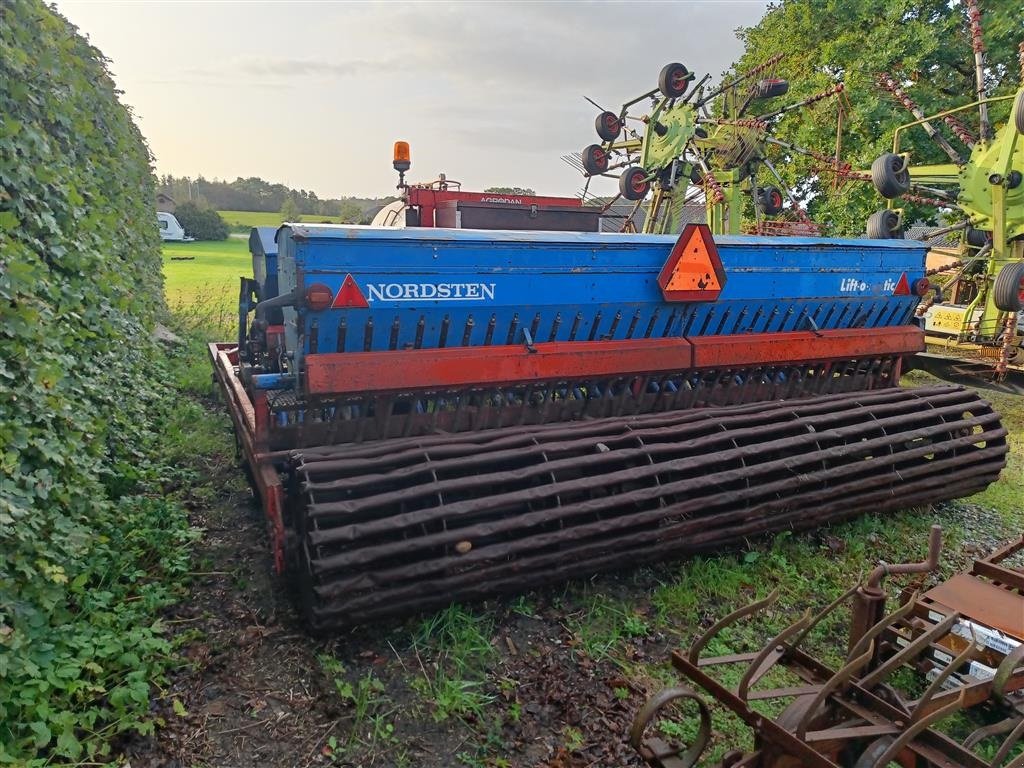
{"points": [[769, 655], [1006, 725], [698, 645], [822, 614], [908, 735], [1007, 668], [944, 674], [900, 613], [1004, 750], [646, 715], [834, 683], [879, 673]]}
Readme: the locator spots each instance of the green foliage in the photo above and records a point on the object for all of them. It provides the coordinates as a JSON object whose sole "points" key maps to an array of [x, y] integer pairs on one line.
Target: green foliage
{"points": [[603, 624], [924, 44], [88, 547], [290, 210], [371, 724], [201, 223], [350, 212], [457, 644]]}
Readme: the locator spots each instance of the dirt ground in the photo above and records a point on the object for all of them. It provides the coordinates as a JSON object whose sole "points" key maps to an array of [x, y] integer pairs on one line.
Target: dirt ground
{"points": [[255, 691]]}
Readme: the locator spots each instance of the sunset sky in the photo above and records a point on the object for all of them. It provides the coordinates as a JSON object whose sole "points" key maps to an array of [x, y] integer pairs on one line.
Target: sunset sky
{"points": [[312, 94]]}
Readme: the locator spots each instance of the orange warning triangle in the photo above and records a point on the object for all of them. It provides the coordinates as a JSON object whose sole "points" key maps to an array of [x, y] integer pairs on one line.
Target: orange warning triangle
{"points": [[693, 271], [902, 286], [350, 296]]}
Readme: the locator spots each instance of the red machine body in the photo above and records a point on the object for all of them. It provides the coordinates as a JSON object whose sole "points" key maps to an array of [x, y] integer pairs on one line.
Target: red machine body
{"points": [[427, 199], [442, 203]]}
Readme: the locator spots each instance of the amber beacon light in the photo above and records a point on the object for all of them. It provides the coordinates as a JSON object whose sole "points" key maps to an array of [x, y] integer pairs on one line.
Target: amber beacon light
{"points": [[401, 160]]}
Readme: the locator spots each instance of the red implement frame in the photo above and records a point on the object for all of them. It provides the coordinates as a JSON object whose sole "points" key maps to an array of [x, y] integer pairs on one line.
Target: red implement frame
{"points": [[417, 369], [250, 426]]}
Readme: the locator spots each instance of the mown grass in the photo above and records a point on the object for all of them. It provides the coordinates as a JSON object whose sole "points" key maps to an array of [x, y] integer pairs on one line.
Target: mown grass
{"points": [[236, 219], [1006, 496], [201, 281]]}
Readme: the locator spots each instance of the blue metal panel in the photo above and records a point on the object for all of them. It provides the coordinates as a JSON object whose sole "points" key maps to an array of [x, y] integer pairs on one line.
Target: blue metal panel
{"points": [[431, 288], [263, 247]]}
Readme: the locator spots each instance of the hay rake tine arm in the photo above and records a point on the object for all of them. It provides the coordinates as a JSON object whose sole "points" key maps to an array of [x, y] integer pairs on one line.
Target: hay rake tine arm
{"points": [[822, 614], [1007, 725], [774, 650], [880, 672], [932, 745], [739, 79], [1009, 675], [839, 680], [949, 669], [768, 729], [908, 735], [868, 637], [974, 694], [701, 642], [1011, 741]]}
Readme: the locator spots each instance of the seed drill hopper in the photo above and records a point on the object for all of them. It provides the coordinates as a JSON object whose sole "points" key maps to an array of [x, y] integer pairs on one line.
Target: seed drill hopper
{"points": [[437, 414]]}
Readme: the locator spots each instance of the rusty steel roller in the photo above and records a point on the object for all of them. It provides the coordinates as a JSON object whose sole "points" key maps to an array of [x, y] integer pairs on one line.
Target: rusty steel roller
{"points": [[404, 525]]}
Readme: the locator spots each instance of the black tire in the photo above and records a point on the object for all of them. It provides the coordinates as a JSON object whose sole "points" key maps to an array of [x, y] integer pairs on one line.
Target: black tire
{"points": [[873, 751], [674, 80], [884, 225], [1018, 112], [1007, 288], [769, 200], [595, 159], [608, 126], [770, 88], [889, 176], [976, 238], [633, 183]]}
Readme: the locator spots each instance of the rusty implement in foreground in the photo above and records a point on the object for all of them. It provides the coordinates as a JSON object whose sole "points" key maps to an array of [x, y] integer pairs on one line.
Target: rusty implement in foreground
{"points": [[956, 650]]}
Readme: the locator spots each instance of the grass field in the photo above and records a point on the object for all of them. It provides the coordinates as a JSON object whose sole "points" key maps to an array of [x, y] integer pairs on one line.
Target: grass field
{"points": [[201, 281], [239, 219]]}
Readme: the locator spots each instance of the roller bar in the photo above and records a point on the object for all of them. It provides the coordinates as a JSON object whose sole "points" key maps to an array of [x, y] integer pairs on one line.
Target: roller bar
{"points": [[409, 524]]}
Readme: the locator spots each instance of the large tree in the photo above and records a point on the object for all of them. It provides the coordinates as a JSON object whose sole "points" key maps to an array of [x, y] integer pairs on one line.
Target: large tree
{"points": [[924, 44]]}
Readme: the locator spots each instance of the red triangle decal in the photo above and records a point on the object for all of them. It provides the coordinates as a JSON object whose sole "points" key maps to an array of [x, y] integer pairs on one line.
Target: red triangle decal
{"points": [[902, 286], [349, 296], [693, 271]]}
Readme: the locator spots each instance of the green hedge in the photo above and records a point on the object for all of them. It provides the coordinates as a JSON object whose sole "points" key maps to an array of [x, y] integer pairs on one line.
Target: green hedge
{"points": [[88, 546], [201, 223]]}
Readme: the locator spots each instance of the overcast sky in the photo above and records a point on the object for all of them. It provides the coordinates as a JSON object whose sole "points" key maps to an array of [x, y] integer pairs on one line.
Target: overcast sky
{"points": [[313, 94]]}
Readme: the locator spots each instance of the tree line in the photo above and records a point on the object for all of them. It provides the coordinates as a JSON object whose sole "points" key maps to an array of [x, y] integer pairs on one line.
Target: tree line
{"points": [[255, 194], [925, 46]]}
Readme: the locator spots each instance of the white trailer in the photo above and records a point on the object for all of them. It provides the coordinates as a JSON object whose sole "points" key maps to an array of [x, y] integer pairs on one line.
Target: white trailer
{"points": [[170, 227]]}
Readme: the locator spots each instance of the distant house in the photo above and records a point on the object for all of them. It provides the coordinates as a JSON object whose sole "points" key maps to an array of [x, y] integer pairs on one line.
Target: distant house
{"points": [[165, 203]]}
